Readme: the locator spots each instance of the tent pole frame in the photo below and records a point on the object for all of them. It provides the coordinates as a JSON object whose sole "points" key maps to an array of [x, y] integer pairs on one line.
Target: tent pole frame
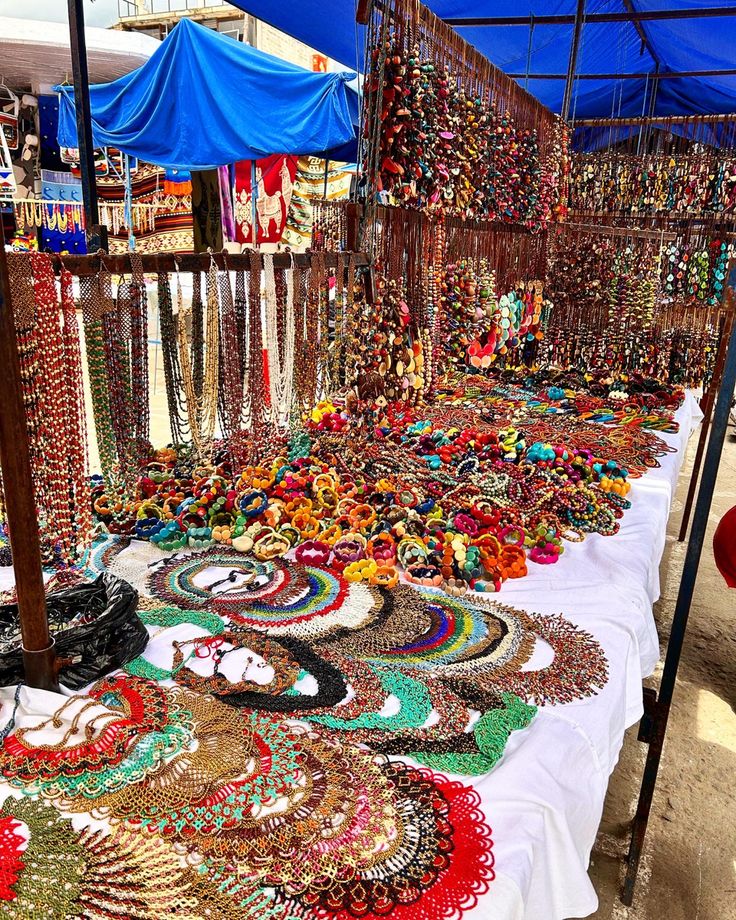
{"points": [[653, 120], [653, 725], [636, 75], [95, 233], [565, 19], [573, 62]]}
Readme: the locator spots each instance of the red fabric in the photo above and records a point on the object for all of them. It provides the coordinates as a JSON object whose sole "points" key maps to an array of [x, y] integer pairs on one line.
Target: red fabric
{"points": [[724, 547], [276, 182], [12, 845]]}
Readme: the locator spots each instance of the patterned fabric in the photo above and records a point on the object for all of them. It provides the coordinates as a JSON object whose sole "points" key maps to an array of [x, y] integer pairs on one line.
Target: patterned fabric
{"points": [[206, 210], [309, 186], [173, 229], [275, 177]]}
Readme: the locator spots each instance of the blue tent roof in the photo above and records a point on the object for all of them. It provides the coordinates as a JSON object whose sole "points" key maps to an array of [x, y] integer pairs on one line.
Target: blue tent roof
{"points": [[203, 100], [682, 44]]}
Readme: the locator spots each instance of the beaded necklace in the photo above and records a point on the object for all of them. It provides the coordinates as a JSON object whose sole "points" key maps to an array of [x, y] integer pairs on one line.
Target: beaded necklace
{"points": [[232, 372], [172, 367], [90, 297]]}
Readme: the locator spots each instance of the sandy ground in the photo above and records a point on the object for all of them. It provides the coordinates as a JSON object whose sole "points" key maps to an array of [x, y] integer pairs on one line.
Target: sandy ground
{"points": [[688, 868]]}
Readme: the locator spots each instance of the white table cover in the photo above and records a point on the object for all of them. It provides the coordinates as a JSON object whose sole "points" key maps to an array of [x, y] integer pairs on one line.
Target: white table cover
{"points": [[544, 798]]}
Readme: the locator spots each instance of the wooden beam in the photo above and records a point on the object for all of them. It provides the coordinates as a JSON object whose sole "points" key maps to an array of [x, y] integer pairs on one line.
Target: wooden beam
{"points": [[654, 120], [192, 262], [707, 12], [20, 507]]}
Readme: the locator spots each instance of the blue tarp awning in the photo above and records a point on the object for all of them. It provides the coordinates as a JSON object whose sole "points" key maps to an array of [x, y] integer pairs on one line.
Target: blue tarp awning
{"points": [[204, 100], [678, 44]]}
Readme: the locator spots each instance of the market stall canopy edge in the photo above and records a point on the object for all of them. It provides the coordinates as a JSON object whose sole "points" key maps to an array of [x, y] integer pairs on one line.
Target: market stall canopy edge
{"points": [[676, 45], [190, 106]]}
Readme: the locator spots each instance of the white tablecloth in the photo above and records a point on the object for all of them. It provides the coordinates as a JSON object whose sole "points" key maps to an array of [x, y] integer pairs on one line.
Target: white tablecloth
{"points": [[545, 797]]}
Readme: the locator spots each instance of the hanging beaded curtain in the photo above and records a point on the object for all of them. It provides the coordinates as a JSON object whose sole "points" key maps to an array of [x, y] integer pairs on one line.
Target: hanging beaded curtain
{"points": [[683, 169], [51, 377], [695, 265], [446, 129], [241, 360], [422, 257], [512, 254], [611, 311]]}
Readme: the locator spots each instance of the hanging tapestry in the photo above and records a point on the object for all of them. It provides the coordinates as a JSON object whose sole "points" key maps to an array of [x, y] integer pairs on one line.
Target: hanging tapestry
{"points": [[62, 227], [206, 210], [275, 178], [168, 227], [309, 186]]}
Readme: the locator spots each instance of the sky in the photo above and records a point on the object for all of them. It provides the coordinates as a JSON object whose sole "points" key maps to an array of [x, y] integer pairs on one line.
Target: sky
{"points": [[96, 12]]}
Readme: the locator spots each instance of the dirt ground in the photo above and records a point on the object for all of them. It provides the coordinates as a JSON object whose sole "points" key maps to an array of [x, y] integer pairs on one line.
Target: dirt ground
{"points": [[689, 864]]}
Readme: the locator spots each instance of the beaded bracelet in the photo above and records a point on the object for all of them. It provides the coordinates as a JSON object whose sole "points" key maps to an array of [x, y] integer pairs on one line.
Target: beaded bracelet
{"points": [[269, 545], [313, 552], [253, 503], [420, 574]]}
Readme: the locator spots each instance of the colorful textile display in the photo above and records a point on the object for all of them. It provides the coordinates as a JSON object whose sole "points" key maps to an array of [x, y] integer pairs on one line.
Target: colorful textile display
{"points": [[62, 227], [275, 179], [315, 180], [429, 650], [458, 494], [240, 793], [170, 229]]}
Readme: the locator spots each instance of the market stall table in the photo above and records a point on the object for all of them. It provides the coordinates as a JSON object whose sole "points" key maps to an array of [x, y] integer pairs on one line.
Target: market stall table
{"points": [[545, 797]]}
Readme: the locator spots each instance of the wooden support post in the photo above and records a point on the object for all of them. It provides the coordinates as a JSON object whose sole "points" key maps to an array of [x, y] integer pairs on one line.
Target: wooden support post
{"points": [[354, 216], [38, 646], [363, 12]]}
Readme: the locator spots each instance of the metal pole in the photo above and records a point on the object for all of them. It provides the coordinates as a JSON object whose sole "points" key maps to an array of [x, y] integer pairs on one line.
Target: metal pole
{"points": [[706, 405], [566, 19], [655, 120], [682, 609], [96, 235], [572, 65], [38, 646], [254, 202]]}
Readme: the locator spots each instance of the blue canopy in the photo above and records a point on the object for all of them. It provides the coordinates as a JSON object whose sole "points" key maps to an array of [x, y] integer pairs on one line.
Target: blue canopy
{"points": [[204, 100], [677, 45]]}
